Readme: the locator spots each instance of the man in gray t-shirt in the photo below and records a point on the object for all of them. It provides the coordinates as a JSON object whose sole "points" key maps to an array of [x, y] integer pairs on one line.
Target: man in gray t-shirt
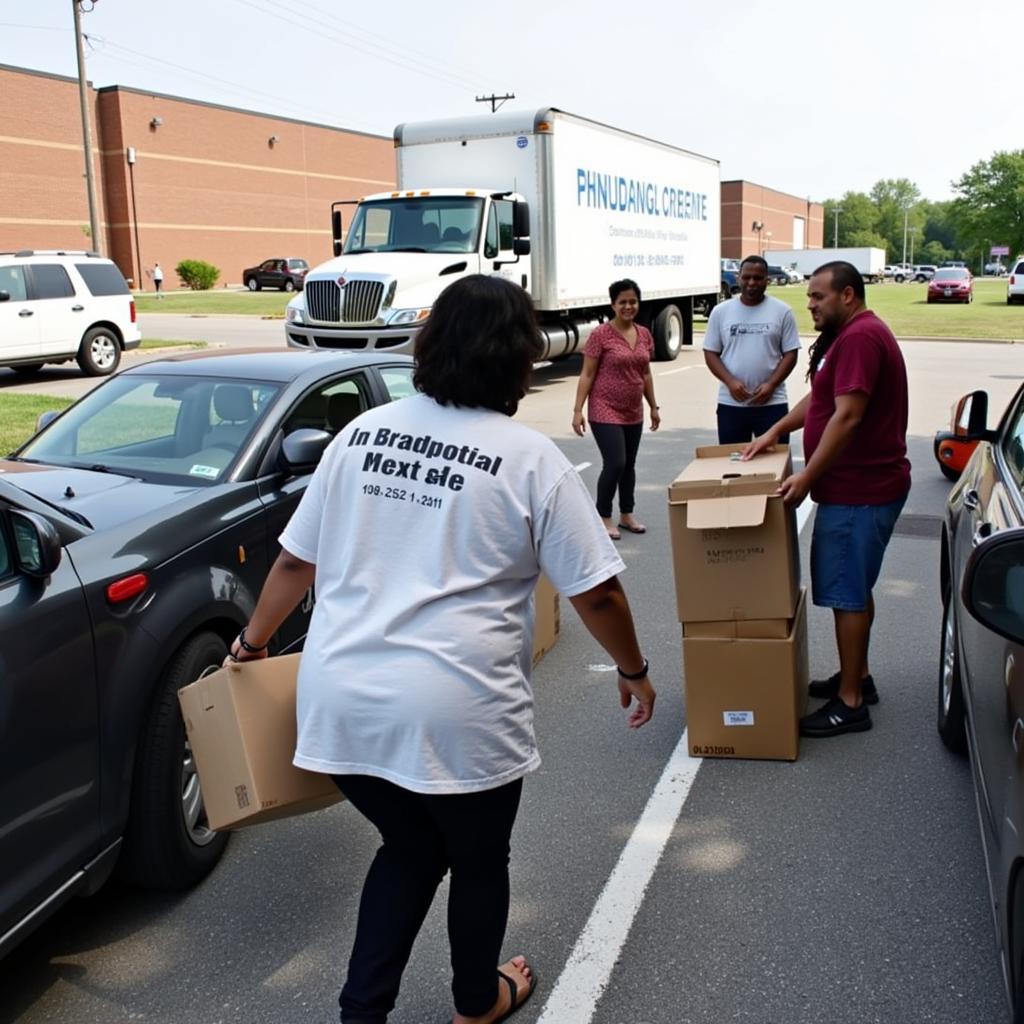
{"points": [[751, 346]]}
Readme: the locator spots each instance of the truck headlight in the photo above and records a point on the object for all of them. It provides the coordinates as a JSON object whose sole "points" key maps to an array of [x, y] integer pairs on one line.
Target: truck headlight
{"points": [[293, 314], [408, 316]]}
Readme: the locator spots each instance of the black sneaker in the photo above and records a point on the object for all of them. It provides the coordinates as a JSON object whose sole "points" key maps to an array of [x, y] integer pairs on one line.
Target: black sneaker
{"points": [[826, 689], [835, 718]]}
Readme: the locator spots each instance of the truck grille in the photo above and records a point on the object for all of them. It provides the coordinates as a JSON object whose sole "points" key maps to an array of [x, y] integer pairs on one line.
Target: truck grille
{"points": [[361, 304]]}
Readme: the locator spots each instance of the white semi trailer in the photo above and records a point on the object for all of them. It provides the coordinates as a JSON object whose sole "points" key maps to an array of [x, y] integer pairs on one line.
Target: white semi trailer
{"points": [[869, 261], [559, 204]]}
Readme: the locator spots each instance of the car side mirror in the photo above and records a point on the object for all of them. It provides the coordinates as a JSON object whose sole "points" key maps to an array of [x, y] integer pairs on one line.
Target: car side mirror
{"points": [[37, 544], [993, 584], [970, 415], [5, 296], [44, 419], [302, 449]]}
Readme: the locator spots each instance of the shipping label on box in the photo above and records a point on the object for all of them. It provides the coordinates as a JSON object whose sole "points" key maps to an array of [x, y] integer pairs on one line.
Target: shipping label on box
{"points": [[744, 697], [240, 722], [735, 548]]}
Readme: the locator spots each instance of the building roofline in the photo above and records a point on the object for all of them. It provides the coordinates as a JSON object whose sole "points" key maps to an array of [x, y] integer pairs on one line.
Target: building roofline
{"points": [[197, 103], [770, 188]]}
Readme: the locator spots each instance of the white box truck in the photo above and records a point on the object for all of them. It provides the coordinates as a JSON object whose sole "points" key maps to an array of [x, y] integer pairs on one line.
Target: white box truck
{"points": [[561, 205], [869, 261]]}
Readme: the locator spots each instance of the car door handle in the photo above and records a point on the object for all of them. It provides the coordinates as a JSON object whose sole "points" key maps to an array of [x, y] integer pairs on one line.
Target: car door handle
{"points": [[981, 533], [971, 499], [25, 312], [77, 309]]}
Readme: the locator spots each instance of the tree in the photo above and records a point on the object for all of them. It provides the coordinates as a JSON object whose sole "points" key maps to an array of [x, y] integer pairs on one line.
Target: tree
{"points": [[935, 252], [989, 203], [898, 202]]}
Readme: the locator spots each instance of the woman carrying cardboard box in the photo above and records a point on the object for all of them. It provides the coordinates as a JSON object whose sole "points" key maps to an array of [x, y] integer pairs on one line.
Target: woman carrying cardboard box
{"points": [[424, 529]]}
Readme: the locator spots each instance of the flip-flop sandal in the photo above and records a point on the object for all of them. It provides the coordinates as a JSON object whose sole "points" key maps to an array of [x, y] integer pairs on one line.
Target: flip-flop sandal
{"points": [[513, 991], [614, 535], [633, 529]]}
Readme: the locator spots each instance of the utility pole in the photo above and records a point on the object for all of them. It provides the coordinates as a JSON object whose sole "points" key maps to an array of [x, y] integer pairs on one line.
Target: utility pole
{"points": [[835, 234], [495, 101], [906, 210], [94, 227]]}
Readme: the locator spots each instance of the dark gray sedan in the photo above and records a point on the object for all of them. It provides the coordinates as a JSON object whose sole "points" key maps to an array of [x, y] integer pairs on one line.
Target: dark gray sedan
{"points": [[136, 530]]}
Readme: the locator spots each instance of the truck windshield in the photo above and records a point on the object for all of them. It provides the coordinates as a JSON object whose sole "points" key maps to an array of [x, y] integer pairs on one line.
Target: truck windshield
{"points": [[420, 224]]}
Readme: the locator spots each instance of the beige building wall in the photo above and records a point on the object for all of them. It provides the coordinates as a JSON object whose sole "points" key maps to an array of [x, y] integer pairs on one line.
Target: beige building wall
{"points": [[755, 218]]}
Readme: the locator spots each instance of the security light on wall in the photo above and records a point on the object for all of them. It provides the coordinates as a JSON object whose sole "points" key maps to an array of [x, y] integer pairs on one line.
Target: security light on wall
{"points": [[757, 225], [156, 122], [272, 140]]}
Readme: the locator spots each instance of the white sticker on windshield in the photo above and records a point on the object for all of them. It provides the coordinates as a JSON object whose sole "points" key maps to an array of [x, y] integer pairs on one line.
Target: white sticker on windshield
{"points": [[210, 471]]}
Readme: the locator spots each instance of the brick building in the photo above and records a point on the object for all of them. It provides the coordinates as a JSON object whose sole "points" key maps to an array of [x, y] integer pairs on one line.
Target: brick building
{"points": [[209, 182], [755, 218], [180, 179]]}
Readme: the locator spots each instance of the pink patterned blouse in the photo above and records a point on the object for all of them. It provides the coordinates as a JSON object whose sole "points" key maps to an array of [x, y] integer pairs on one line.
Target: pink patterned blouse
{"points": [[617, 394]]}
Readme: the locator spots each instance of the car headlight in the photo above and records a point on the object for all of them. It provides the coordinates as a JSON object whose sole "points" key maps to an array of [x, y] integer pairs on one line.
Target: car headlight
{"points": [[408, 316], [293, 314]]}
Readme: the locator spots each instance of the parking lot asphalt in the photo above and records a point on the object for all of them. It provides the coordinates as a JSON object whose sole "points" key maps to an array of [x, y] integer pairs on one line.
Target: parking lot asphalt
{"points": [[846, 887]]}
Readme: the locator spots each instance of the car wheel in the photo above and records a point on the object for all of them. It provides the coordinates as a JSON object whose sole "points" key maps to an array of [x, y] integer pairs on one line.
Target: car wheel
{"points": [[951, 718], [928, 300], [668, 333], [949, 472], [99, 353], [168, 843], [27, 367], [289, 285], [254, 285]]}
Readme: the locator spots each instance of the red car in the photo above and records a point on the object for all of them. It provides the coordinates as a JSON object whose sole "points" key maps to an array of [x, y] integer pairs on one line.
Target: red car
{"points": [[951, 284]]}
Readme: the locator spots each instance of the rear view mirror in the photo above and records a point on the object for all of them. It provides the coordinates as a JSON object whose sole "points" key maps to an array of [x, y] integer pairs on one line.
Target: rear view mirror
{"points": [[993, 584], [521, 246], [5, 296], [521, 220], [302, 450], [970, 415], [36, 544], [336, 230]]}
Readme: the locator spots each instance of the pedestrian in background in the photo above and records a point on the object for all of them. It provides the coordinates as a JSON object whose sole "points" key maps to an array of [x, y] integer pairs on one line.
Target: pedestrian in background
{"points": [[751, 346], [856, 469], [414, 684], [615, 380], [158, 280]]}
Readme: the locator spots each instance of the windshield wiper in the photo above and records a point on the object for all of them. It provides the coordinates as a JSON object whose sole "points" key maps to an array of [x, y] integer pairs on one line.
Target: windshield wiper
{"points": [[353, 252], [406, 248], [98, 467]]}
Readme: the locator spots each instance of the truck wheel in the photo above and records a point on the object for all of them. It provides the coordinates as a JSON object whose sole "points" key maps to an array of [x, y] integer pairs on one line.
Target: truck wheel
{"points": [[99, 353], [168, 843], [668, 333]]}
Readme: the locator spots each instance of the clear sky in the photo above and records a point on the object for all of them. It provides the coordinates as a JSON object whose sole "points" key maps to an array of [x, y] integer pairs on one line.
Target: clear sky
{"points": [[812, 98]]}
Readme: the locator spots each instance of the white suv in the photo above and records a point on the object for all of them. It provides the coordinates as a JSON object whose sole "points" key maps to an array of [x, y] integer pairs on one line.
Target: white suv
{"points": [[1015, 283], [57, 306]]}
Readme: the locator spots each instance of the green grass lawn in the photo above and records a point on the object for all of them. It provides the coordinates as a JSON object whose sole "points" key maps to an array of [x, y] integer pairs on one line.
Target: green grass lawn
{"points": [[904, 309], [18, 415], [238, 303]]}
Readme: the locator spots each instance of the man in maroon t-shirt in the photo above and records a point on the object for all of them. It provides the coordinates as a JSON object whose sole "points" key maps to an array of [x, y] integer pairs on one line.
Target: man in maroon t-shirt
{"points": [[856, 469]]}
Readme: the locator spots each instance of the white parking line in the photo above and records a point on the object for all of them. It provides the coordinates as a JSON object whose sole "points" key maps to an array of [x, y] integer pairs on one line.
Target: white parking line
{"points": [[588, 970], [681, 369]]}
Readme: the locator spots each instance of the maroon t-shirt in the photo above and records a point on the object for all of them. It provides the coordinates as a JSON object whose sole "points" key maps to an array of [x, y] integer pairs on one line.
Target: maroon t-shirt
{"points": [[873, 469]]}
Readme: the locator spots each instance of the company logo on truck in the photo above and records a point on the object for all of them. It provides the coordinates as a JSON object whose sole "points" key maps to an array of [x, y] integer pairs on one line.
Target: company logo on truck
{"points": [[630, 195]]}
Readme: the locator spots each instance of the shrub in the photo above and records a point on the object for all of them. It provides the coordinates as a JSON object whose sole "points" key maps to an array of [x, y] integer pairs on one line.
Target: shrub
{"points": [[197, 275]]}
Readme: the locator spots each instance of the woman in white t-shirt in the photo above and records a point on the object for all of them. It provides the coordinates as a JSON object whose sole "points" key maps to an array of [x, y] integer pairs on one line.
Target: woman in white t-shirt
{"points": [[424, 529]]}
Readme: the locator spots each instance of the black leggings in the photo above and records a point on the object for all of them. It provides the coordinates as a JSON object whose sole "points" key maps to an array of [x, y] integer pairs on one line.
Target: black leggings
{"points": [[619, 445], [423, 837]]}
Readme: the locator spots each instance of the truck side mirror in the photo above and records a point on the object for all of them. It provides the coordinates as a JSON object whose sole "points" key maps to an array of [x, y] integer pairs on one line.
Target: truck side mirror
{"points": [[336, 230], [521, 246], [5, 296], [521, 221]]}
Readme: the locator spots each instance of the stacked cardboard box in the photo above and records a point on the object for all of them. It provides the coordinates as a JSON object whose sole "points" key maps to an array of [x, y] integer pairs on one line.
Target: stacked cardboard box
{"points": [[744, 615]]}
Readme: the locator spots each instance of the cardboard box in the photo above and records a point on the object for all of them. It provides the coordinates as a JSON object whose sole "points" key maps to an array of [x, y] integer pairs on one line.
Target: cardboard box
{"points": [[739, 629], [547, 618], [744, 698], [241, 726], [735, 550]]}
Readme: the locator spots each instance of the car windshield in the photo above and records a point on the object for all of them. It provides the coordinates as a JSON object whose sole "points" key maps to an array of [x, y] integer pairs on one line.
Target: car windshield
{"points": [[951, 274], [163, 429], [423, 224]]}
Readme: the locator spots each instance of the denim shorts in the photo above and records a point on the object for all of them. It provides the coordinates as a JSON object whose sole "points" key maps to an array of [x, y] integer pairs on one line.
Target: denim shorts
{"points": [[847, 547]]}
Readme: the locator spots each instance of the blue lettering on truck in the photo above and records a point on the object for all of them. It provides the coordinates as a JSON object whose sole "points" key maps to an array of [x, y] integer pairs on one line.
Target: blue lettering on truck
{"points": [[630, 195]]}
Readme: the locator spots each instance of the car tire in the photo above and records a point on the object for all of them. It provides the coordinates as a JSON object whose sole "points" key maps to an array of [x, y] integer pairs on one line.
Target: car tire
{"points": [[949, 472], [288, 286], [27, 367], [929, 300], [899, 278], [952, 718], [168, 843], [668, 333], [100, 352], [254, 285]]}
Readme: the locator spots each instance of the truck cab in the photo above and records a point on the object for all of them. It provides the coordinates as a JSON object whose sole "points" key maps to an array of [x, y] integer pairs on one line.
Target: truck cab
{"points": [[401, 250]]}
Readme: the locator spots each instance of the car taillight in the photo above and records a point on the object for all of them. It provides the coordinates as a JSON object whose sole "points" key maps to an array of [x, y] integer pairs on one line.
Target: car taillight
{"points": [[1012, 281], [131, 304], [127, 587]]}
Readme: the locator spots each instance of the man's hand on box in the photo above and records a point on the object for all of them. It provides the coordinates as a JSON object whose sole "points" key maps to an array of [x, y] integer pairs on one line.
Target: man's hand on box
{"points": [[236, 652], [794, 489], [761, 443]]}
